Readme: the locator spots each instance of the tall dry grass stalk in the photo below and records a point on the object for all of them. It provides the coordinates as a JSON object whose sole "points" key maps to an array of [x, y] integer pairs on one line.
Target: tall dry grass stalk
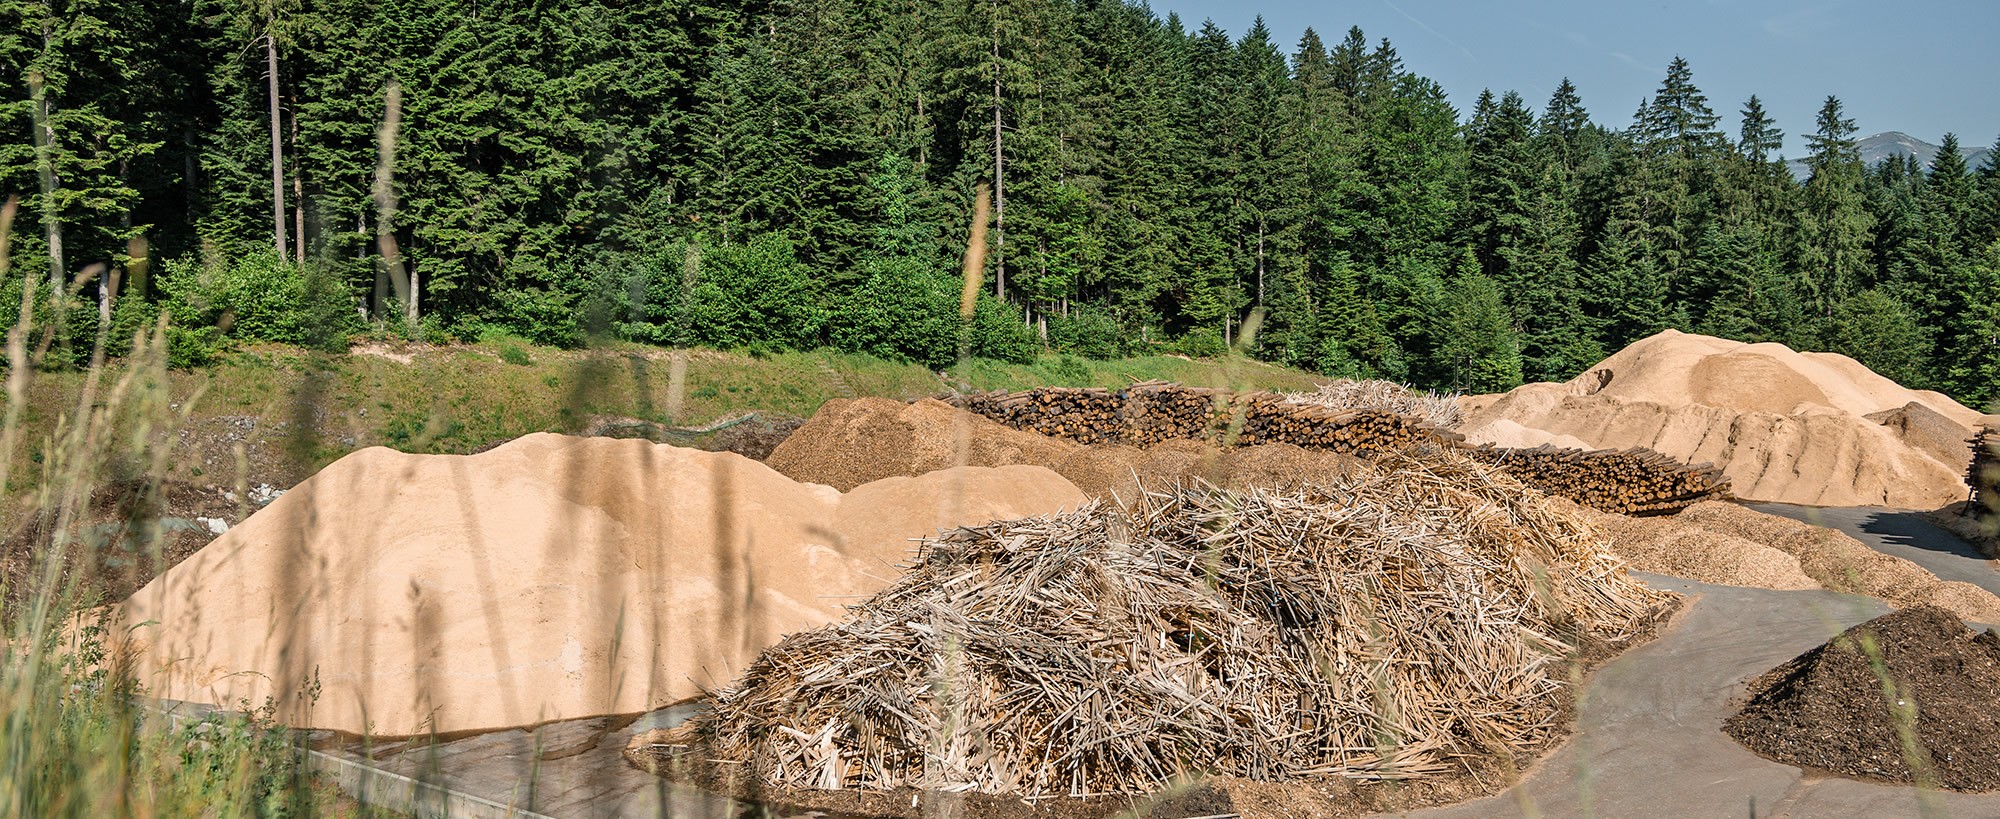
{"points": [[77, 736]]}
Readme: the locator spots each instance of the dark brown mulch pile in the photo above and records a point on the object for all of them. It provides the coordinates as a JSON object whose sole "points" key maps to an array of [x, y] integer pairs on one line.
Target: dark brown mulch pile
{"points": [[1847, 706]]}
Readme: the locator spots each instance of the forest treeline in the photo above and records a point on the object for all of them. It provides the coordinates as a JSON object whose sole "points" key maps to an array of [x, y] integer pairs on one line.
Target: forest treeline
{"points": [[800, 173]]}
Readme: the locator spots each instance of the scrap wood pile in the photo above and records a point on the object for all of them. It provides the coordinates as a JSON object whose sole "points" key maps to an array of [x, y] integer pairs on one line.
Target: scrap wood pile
{"points": [[1382, 627], [1154, 412], [1627, 481], [1437, 409], [1366, 419]]}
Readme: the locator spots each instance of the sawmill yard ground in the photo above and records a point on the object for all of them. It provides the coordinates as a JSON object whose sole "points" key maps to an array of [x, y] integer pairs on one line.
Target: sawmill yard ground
{"points": [[264, 419]]}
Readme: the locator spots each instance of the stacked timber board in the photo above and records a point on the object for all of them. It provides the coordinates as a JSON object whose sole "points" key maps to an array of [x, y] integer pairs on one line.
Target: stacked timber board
{"points": [[1629, 482]]}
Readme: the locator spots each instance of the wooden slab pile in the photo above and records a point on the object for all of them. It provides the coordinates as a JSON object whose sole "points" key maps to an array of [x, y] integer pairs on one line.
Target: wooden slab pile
{"points": [[1634, 482], [1626, 481]]}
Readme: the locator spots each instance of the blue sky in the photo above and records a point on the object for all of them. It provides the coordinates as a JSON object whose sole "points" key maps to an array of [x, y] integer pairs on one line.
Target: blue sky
{"points": [[1920, 66]]}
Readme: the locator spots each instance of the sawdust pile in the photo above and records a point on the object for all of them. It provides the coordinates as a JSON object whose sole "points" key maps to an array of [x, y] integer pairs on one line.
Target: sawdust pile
{"points": [[552, 577], [1381, 627], [1843, 564], [1785, 426], [1908, 697], [1673, 546], [851, 441], [1437, 409]]}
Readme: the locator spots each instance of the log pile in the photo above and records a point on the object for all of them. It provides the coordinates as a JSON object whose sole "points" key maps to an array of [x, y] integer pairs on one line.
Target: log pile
{"points": [[1382, 627], [1636, 482], [1984, 474], [1154, 412], [1628, 481]]}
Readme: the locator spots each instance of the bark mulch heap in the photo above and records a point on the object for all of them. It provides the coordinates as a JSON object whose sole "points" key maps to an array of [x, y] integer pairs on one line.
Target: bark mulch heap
{"points": [[1912, 696]]}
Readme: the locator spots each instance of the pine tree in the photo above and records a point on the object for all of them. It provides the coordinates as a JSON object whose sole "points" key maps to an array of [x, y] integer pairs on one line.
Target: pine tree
{"points": [[1832, 259]]}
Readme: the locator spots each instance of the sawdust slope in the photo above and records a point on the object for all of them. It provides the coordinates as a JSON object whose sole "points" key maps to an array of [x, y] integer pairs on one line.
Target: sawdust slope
{"points": [[552, 577], [1784, 426]]}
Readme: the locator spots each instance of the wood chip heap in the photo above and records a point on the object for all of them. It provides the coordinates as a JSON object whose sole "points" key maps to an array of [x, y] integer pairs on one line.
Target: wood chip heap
{"points": [[1633, 481], [1380, 627], [1437, 409]]}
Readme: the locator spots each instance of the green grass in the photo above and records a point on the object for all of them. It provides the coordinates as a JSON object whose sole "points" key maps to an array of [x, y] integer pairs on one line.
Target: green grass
{"points": [[306, 409]]}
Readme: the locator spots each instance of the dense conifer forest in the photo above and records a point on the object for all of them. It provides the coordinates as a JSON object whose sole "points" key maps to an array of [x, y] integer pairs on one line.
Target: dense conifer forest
{"points": [[800, 173]]}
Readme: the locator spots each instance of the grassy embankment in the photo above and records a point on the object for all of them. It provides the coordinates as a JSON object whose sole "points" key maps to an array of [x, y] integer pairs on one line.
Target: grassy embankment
{"points": [[292, 411]]}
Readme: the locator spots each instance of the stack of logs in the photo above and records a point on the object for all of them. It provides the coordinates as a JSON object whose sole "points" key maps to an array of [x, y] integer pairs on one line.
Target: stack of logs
{"points": [[1151, 412], [1634, 482], [1984, 474], [1626, 481]]}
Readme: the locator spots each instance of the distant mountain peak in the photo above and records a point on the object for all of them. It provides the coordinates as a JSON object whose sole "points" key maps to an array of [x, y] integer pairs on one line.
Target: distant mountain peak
{"points": [[1877, 147]]}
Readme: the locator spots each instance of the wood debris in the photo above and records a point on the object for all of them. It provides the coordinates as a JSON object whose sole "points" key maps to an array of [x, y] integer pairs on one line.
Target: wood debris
{"points": [[1378, 627]]}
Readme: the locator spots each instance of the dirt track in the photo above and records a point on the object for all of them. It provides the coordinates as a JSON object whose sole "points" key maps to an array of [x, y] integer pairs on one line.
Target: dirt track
{"points": [[1901, 534], [1649, 738]]}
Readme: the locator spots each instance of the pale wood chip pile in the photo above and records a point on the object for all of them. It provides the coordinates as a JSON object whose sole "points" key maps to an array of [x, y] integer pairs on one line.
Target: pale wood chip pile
{"points": [[1437, 409], [1364, 419], [1378, 627]]}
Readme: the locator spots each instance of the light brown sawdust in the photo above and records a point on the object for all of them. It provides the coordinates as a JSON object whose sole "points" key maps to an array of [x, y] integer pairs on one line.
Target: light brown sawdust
{"points": [[1671, 546], [849, 442], [1783, 425], [1928, 430], [1505, 432], [1843, 564], [550, 578]]}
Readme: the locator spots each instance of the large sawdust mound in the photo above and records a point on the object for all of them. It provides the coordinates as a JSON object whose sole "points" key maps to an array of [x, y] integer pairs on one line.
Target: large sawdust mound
{"points": [[1830, 708], [552, 577], [1785, 426], [1384, 626]]}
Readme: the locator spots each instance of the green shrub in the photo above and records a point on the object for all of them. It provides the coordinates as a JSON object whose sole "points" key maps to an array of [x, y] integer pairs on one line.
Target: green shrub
{"points": [[998, 333], [259, 298], [1089, 331], [1202, 342], [757, 293], [903, 311]]}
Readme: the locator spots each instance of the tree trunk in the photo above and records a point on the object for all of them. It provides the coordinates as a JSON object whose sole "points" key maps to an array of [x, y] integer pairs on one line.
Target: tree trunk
{"points": [[385, 204], [1260, 261], [277, 145], [298, 189], [999, 174], [45, 168]]}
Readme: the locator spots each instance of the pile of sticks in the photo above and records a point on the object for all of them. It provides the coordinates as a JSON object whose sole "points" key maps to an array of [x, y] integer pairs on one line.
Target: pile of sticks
{"points": [[1633, 482], [1626, 481], [1382, 627], [1984, 474], [1437, 409]]}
